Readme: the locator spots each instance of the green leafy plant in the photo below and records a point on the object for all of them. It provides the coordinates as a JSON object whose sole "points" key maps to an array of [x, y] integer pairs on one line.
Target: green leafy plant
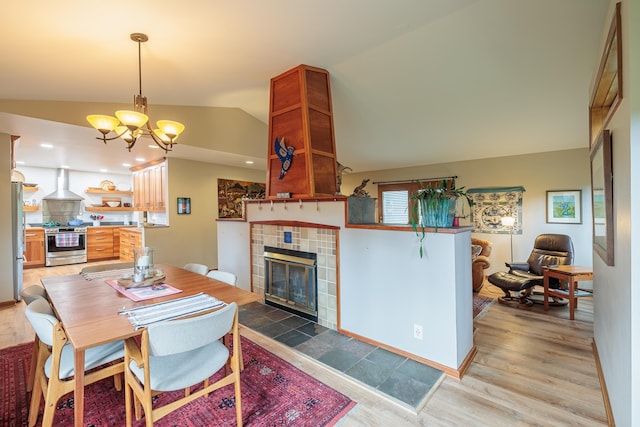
{"points": [[434, 206]]}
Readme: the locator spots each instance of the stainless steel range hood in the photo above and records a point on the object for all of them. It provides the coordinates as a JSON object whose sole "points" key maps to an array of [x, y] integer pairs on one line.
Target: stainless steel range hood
{"points": [[62, 192]]}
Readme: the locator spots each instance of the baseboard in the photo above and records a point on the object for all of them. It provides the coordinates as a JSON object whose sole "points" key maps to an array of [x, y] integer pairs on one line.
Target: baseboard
{"points": [[603, 386]]}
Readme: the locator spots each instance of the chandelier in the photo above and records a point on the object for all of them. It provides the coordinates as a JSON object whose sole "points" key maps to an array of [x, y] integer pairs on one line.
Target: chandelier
{"points": [[130, 125]]}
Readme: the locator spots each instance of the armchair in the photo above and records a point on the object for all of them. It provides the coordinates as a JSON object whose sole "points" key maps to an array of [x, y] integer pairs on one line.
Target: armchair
{"points": [[548, 249], [480, 262]]}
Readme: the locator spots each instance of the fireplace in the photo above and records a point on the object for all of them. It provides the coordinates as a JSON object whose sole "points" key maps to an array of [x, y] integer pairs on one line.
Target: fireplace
{"points": [[291, 281]]}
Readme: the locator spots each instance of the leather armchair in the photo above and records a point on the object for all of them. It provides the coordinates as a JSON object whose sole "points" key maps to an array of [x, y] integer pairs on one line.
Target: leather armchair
{"points": [[480, 263], [548, 249]]}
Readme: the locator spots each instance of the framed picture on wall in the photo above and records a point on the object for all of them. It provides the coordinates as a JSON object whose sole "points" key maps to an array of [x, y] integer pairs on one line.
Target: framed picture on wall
{"points": [[602, 196], [564, 207], [184, 205]]}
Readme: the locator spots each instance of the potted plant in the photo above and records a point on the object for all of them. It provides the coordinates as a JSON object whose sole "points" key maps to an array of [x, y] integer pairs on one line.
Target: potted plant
{"points": [[435, 206]]}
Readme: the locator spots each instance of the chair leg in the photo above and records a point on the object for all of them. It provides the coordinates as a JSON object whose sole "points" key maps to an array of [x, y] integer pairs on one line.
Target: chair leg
{"points": [[34, 362]]}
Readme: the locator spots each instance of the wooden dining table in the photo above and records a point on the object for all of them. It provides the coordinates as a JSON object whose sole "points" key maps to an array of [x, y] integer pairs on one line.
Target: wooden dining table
{"points": [[88, 311]]}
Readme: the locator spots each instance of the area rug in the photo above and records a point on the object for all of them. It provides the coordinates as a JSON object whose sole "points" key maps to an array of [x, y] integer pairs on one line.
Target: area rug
{"points": [[274, 393], [481, 304]]}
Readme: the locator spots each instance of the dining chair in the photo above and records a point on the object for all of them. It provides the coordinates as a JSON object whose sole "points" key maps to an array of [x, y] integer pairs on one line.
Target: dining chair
{"points": [[178, 354], [223, 276], [197, 268], [55, 362], [28, 295], [231, 279]]}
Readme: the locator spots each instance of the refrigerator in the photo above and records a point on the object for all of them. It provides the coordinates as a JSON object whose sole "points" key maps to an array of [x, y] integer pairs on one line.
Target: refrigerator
{"points": [[18, 237]]}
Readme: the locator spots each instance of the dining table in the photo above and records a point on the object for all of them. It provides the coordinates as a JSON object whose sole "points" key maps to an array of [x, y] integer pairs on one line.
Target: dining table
{"points": [[89, 310]]}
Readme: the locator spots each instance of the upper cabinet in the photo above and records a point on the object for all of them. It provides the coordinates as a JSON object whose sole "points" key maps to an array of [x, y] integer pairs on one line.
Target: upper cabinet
{"points": [[150, 187]]}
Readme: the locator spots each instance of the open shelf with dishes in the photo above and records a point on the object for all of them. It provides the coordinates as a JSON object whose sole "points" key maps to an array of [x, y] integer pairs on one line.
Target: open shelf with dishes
{"points": [[108, 209], [96, 190], [27, 208]]}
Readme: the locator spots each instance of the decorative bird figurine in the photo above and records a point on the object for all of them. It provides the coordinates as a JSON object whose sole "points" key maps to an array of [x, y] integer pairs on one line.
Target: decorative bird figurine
{"points": [[285, 154]]}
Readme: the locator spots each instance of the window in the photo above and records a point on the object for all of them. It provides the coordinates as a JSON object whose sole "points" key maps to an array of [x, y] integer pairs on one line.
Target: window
{"points": [[395, 199], [395, 206]]}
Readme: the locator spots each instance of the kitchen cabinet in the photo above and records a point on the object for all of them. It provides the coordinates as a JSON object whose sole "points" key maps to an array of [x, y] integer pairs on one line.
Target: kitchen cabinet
{"points": [[150, 187], [99, 243], [130, 238], [34, 248]]}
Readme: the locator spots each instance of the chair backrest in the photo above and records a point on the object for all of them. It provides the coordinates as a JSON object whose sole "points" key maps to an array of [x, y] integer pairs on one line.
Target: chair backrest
{"points": [[197, 268], [486, 245], [550, 249], [32, 293], [178, 336], [42, 319], [223, 276]]}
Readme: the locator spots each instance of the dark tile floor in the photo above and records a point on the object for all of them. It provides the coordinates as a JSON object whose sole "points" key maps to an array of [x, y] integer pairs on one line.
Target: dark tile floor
{"points": [[401, 378]]}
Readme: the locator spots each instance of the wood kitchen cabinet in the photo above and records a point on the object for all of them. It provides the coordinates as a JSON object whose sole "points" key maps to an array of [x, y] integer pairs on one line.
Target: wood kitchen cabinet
{"points": [[150, 187], [99, 243], [130, 238], [34, 248]]}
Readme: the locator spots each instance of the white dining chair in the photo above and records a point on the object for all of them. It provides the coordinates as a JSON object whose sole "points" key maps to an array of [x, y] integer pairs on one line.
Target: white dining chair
{"points": [[197, 268], [55, 362], [223, 276], [29, 295], [177, 354]]}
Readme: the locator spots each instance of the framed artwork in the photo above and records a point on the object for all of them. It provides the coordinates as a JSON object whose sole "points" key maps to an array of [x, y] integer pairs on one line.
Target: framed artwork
{"points": [[232, 193], [184, 205], [564, 207], [602, 196], [490, 205]]}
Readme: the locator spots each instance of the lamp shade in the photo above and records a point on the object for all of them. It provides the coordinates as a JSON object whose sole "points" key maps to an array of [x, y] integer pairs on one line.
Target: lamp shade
{"points": [[508, 221], [104, 124], [132, 119], [170, 128]]}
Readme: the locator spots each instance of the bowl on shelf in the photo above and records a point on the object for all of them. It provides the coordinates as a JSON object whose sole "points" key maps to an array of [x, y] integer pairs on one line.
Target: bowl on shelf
{"points": [[111, 187], [113, 204]]}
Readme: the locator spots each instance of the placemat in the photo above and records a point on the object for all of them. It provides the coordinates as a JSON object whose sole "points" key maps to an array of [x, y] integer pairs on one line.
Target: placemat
{"points": [[147, 292], [144, 316]]}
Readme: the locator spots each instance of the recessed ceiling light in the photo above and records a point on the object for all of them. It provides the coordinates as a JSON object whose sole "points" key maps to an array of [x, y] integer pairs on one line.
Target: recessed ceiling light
{"points": [[104, 170], [19, 162], [153, 146], [249, 162], [45, 145], [126, 165], [139, 159]]}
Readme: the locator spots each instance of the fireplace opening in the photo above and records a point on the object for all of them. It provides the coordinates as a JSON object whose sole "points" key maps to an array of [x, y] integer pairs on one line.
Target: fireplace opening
{"points": [[291, 281]]}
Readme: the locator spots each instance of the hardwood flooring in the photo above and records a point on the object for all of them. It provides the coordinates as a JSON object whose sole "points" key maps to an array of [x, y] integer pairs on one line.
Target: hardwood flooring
{"points": [[532, 368]]}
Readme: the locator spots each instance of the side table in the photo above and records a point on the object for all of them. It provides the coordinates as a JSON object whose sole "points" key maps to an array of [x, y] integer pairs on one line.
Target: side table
{"points": [[572, 274]]}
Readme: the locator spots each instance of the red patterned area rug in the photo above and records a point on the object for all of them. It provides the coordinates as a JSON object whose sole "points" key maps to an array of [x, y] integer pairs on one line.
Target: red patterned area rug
{"points": [[274, 393], [481, 304]]}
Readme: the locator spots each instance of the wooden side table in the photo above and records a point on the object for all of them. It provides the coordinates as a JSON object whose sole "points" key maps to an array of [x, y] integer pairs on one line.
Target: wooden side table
{"points": [[572, 274]]}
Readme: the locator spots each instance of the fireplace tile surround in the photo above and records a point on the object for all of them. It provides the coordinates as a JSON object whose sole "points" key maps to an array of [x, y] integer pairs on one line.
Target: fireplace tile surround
{"points": [[320, 240]]}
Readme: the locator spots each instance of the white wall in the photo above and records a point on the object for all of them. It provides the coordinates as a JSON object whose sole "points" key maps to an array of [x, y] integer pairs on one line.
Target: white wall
{"points": [[617, 297], [6, 238], [46, 179]]}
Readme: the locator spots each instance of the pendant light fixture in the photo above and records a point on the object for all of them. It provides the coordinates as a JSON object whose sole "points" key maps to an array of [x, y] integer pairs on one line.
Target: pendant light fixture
{"points": [[130, 125]]}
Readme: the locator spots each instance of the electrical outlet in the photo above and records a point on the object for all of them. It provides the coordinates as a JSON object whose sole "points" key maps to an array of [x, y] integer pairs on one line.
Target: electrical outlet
{"points": [[417, 331]]}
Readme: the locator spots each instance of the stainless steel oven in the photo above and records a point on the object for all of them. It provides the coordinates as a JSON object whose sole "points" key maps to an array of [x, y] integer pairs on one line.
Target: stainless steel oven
{"points": [[65, 245]]}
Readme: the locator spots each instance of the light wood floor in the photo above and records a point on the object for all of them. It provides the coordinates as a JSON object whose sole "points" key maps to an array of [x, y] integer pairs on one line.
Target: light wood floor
{"points": [[532, 368]]}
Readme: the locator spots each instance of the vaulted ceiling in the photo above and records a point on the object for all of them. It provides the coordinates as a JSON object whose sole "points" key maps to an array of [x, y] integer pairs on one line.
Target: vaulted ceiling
{"points": [[413, 81]]}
